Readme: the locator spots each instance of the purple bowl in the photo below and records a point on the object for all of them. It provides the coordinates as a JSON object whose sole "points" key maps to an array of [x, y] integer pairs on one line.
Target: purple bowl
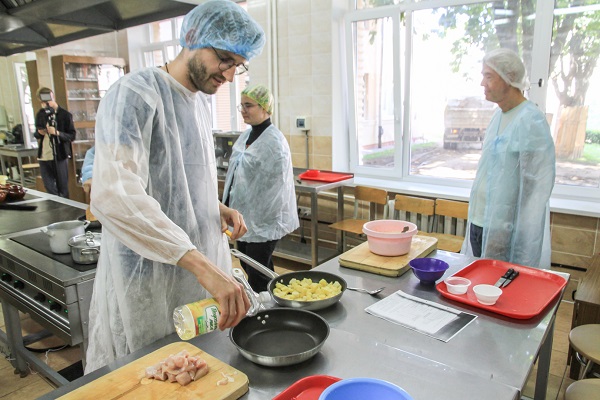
{"points": [[428, 270]]}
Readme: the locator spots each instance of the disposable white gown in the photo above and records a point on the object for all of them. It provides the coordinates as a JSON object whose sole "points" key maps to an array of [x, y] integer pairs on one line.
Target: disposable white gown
{"points": [[517, 169], [155, 193], [263, 186]]}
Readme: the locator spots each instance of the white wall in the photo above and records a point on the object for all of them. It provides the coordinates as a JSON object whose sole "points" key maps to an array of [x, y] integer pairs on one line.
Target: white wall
{"points": [[305, 48]]}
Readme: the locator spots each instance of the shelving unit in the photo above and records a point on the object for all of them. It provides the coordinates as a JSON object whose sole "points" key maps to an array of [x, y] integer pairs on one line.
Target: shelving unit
{"points": [[79, 84]]}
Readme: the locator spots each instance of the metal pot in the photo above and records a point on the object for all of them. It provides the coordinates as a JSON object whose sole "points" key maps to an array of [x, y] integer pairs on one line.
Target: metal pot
{"points": [[85, 249], [280, 336], [286, 278], [60, 233]]}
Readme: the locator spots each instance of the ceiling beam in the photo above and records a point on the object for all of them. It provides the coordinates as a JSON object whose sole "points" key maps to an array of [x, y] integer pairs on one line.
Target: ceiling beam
{"points": [[96, 27], [44, 9]]}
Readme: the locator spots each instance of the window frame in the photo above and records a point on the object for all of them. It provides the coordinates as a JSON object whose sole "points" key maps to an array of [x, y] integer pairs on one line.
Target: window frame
{"points": [[356, 17]]}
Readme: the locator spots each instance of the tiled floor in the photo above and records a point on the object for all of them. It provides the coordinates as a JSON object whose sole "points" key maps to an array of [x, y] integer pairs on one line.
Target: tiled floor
{"points": [[33, 385]]}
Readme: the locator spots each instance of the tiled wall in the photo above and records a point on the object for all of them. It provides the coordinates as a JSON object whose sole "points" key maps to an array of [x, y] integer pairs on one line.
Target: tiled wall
{"points": [[575, 239], [303, 42]]}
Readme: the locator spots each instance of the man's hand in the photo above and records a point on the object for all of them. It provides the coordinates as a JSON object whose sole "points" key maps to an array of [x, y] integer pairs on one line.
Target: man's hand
{"points": [[232, 299], [231, 217], [51, 130]]}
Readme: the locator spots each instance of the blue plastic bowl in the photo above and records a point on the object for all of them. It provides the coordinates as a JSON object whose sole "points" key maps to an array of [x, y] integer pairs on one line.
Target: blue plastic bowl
{"points": [[364, 388], [428, 270]]}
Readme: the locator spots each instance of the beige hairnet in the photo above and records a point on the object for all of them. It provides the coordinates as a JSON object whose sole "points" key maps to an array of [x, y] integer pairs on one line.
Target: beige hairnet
{"points": [[509, 66], [261, 95]]}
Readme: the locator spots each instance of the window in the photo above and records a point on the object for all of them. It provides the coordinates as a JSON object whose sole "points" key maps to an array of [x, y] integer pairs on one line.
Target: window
{"points": [[448, 111], [374, 92], [573, 93], [27, 114], [164, 42], [417, 110]]}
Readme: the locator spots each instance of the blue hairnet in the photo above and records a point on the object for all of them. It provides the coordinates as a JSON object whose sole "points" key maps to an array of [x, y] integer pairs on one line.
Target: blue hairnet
{"points": [[509, 66], [224, 25]]}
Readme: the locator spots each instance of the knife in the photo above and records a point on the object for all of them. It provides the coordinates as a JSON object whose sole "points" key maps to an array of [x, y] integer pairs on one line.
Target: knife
{"points": [[504, 278], [22, 207], [508, 280]]}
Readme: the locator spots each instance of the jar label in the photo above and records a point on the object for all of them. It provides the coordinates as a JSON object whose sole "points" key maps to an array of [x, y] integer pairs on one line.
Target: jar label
{"points": [[206, 315]]}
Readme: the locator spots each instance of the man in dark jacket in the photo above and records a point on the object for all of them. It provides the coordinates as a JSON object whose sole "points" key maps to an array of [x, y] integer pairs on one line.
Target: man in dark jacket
{"points": [[54, 131]]}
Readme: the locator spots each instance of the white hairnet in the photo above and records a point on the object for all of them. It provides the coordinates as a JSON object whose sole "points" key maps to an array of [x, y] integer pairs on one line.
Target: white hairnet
{"points": [[509, 66], [224, 25]]}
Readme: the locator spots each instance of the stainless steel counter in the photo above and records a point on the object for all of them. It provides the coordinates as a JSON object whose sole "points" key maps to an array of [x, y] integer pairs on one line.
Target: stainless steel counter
{"points": [[490, 359]]}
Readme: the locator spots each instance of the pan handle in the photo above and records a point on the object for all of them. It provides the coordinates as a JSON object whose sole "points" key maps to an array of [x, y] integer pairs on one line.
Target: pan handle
{"points": [[254, 264], [238, 274]]}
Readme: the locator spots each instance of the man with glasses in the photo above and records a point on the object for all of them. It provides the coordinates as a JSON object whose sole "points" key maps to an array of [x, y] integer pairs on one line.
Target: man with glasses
{"points": [[155, 189]]}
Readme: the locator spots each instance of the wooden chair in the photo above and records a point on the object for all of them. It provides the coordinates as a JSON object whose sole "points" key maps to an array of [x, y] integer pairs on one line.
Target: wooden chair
{"points": [[30, 172], [450, 224], [363, 196], [418, 210]]}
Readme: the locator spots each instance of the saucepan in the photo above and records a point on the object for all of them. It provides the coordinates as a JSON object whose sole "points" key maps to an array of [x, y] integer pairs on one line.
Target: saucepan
{"points": [[60, 233], [280, 336], [85, 249], [285, 279]]}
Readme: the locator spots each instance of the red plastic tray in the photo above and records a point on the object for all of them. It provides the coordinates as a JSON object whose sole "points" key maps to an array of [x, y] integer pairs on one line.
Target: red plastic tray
{"points": [[312, 175], [309, 388], [524, 298]]}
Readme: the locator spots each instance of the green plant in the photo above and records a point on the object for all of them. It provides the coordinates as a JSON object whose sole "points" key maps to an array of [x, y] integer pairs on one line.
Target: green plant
{"points": [[592, 137], [379, 154], [591, 153]]}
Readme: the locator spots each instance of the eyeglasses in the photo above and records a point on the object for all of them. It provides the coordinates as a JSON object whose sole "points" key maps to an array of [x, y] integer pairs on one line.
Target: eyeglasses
{"points": [[245, 107], [226, 64]]}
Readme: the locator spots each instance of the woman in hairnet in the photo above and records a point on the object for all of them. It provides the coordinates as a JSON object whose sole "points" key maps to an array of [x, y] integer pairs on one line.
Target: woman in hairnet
{"points": [[260, 183], [509, 214], [155, 189]]}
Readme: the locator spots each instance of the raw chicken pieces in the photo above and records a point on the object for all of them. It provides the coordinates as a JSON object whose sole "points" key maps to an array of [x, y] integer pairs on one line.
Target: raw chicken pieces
{"points": [[180, 367]]}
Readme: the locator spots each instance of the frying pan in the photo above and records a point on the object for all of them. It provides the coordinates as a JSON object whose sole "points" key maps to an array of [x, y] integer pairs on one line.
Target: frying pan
{"points": [[285, 279], [280, 336]]}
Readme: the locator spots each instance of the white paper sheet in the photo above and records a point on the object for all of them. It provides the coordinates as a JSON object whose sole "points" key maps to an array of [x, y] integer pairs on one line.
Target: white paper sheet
{"points": [[421, 315]]}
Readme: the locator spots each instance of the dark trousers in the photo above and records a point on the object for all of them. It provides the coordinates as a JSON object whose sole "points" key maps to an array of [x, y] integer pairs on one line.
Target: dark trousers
{"points": [[476, 239], [261, 252], [56, 177]]}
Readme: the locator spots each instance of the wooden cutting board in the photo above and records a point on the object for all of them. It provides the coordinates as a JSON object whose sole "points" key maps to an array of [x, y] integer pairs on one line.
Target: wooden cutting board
{"points": [[129, 381], [361, 258]]}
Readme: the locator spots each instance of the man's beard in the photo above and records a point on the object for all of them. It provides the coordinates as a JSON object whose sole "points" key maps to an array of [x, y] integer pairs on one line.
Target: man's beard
{"points": [[199, 77]]}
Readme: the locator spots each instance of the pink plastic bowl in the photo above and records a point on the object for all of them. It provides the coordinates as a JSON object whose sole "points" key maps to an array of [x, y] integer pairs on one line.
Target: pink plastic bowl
{"points": [[385, 236]]}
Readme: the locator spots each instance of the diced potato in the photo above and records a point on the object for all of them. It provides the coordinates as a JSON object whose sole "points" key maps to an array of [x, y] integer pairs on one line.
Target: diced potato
{"points": [[307, 290]]}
